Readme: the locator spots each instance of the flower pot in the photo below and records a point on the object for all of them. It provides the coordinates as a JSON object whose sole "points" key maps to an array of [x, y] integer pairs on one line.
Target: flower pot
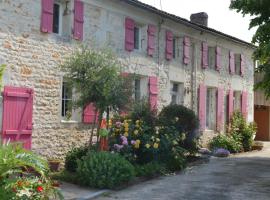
{"points": [[54, 165]]}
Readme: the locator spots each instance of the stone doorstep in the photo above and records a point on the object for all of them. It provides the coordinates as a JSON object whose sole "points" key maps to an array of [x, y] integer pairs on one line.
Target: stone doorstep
{"points": [[74, 192]]}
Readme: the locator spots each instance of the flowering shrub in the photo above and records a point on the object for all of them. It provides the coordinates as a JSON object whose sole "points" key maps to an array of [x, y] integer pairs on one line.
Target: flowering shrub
{"points": [[30, 188], [24, 175], [134, 140]]}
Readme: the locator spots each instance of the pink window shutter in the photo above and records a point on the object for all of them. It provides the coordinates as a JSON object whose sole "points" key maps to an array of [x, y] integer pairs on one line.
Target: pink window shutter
{"points": [[17, 115], [151, 40], [220, 110], [230, 104], [169, 45], [204, 55], [129, 34], [244, 104], [218, 58], [186, 51], [78, 20], [89, 114], [202, 106], [231, 62], [46, 16], [153, 92], [242, 65]]}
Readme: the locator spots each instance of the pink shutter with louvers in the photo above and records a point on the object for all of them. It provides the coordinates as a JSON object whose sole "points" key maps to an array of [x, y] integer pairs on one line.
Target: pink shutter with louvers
{"points": [[129, 34], [204, 55], [151, 40], [169, 45], [186, 51], [46, 16], [89, 114], [242, 65], [202, 106], [231, 62], [218, 58], [153, 92], [220, 110], [17, 115], [78, 20], [244, 104], [230, 103]]}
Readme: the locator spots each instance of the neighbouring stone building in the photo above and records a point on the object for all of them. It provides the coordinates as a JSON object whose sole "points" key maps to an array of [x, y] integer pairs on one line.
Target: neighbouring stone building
{"points": [[199, 67]]}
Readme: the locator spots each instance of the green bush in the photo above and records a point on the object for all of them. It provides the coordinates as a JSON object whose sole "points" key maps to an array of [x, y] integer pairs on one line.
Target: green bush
{"points": [[185, 121], [149, 170], [75, 154], [242, 130], [104, 170], [226, 142]]}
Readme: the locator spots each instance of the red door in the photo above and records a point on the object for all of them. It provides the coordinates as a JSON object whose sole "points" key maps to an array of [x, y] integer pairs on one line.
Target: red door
{"points": [[17, 115]]}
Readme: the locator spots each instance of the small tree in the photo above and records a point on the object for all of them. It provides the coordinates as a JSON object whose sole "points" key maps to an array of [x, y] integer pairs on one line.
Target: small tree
{"points": [[95, 75]]}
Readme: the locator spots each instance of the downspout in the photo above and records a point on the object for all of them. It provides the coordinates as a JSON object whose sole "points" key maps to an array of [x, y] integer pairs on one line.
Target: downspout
{"points": [[158, 45], [194, 79]]}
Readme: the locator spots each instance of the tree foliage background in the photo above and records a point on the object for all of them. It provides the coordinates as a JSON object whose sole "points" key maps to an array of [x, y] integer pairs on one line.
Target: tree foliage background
{"points": [[260, 12]]}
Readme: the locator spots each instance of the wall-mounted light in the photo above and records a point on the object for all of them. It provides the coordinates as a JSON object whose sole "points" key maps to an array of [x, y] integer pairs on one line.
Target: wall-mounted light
{"points": [[66, 11]]}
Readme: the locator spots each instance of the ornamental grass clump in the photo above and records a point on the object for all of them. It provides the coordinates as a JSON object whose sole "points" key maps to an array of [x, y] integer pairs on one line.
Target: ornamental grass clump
{"points": [[104, 170]]}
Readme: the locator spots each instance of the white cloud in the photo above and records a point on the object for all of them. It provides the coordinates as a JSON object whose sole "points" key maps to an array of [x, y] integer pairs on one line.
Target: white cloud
{"points": [[221, 17]]}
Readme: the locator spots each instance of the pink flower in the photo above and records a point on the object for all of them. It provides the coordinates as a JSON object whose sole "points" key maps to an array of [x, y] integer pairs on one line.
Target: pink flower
{"points": [[118, 124], [133, 142]]}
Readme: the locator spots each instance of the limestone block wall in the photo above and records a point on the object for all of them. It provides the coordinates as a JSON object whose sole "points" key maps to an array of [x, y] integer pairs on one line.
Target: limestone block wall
{"points": [[33, 60]]}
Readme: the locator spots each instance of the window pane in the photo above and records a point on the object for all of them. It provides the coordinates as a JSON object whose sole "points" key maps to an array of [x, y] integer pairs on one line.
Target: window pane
{"points": [[174, 99], [56, 16], [66, 99], [175, 87], [136, 38], [211, 106]]}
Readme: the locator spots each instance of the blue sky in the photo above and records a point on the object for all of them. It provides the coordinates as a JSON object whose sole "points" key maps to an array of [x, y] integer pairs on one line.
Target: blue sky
{"points": [[220, 16]]}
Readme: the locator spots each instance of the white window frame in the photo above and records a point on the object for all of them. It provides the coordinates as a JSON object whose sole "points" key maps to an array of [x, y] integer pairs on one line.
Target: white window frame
{"points": [[60, 31], [211, 114], [212, 57], [237, 58], [140, 37], [63, 100], [144, 87], [179, 93]]}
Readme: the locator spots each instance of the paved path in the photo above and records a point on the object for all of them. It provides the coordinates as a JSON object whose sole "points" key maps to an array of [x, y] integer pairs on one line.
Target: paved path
{"points": [[241, 177]]}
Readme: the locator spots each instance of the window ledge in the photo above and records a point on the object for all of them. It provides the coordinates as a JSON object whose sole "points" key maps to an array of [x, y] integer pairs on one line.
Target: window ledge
{"points": [[69, 122]]}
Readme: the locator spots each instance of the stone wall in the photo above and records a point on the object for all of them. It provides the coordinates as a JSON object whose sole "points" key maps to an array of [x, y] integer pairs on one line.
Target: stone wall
{"points": [[33, 60]]}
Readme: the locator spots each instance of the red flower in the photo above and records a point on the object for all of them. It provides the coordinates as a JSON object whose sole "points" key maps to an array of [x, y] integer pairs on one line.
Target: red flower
{"points": [[39, 188]]}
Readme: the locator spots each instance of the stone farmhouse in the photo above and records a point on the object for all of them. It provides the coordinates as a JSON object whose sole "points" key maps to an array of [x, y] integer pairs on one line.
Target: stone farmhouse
{"points": [[179, 61]]}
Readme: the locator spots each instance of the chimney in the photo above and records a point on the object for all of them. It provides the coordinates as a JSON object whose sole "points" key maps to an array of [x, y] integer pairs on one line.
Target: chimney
{"points": [[199, 18]]}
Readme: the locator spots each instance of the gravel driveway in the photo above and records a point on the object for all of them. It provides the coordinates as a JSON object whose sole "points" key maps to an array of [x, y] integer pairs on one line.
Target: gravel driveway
{"points": [[241, 177]]}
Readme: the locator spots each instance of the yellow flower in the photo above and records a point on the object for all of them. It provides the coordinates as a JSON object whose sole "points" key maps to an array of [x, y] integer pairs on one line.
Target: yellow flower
{"points": [[126, 125], [126, 134], [157, 139], [137, 144], [136, 132], [147, 146], [126, 129], [156, 145]]}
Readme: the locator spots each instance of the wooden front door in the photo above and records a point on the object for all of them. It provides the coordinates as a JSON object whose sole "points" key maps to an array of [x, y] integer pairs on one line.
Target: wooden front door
{"points": [[261, 117], [17, 115]]}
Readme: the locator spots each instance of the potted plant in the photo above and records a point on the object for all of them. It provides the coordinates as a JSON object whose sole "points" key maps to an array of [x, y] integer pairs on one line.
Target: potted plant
{"points": [[54, 164]]}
